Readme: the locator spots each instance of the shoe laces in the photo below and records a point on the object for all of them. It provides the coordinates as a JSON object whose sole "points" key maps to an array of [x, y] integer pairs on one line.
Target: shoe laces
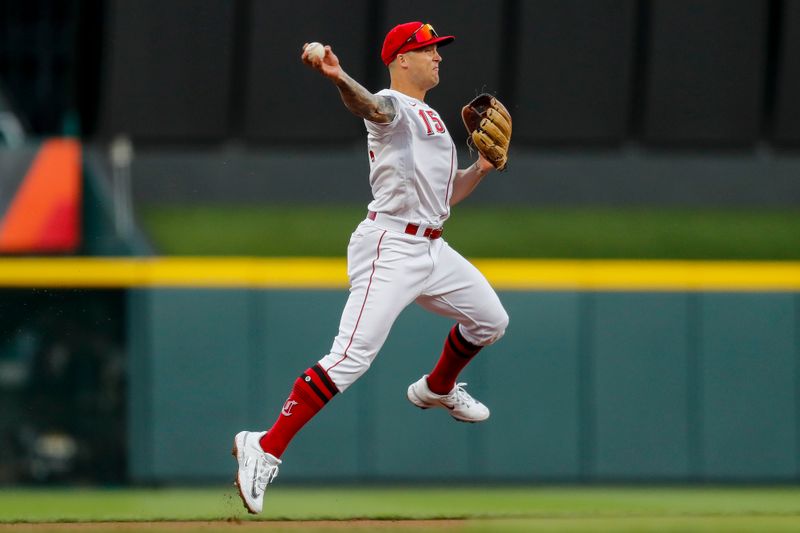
{"points": [[459, 396], [266, 472]]}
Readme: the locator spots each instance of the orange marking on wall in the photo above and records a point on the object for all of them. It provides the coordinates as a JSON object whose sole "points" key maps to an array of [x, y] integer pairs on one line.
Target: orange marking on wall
{"points": [[44, 215]]}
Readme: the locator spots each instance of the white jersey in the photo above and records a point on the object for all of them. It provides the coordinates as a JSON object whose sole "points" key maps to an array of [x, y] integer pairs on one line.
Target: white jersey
{"points": [[412, 163]]}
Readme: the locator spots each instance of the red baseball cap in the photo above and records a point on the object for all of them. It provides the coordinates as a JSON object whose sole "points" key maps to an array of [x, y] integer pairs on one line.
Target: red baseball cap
{"points": [[410, 36]]}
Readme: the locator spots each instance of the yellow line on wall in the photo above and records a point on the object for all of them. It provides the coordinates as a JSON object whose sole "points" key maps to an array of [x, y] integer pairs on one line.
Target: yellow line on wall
{"points": [[174, 272], [615, 275], [330, 273]]}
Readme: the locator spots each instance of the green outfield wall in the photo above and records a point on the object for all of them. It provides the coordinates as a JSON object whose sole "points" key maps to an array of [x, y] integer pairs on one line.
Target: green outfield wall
{"points": [[610, 370], [585, 386]]}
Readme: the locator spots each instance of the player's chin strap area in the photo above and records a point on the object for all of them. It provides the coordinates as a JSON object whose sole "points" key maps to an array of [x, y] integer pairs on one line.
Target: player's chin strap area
{"points": [[393, 223]]}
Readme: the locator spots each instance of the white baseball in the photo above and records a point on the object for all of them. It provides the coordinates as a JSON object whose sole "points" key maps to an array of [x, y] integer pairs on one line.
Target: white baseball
{"points": [[315, 50]]}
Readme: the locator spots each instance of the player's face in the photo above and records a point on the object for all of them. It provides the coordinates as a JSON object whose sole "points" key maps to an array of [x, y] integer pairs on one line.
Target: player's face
{"points": [[424, 66]]}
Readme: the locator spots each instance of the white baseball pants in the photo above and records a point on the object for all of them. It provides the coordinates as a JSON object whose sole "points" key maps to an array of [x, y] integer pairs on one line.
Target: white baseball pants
{"points": [[388, 270]]}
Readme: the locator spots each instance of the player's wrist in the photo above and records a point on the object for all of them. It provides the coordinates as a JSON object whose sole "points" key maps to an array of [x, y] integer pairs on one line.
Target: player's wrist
{"points": [[483, 166], [340, 78]]}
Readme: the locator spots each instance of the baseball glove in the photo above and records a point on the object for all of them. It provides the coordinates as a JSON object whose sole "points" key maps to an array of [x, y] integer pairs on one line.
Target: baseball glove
{"points": [[489, 126]]}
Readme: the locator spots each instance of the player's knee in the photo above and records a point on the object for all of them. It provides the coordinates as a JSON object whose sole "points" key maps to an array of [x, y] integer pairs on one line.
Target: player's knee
{"points": [[498, 328], [490, 330]]}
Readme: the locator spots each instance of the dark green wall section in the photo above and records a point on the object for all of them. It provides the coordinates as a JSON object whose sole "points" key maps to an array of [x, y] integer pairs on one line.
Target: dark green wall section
{"points": [[749, 359], [639, 362], [532, 389], [190, 372], [585, 386]]}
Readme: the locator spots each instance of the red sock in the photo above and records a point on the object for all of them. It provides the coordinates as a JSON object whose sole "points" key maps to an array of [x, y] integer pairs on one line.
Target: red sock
{"points": [[311, 391], [456, 354]]}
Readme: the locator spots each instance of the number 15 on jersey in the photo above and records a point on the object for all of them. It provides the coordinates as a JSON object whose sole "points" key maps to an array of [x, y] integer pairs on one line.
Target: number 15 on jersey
{"points": [[438, 126]]}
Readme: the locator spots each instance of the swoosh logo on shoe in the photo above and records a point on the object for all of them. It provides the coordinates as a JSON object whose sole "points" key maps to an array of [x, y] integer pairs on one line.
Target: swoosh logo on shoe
{"points": [[253, 491]]}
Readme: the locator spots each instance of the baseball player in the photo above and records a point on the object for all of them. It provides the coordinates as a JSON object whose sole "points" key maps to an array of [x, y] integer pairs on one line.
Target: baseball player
{"points": [[396, 256]]}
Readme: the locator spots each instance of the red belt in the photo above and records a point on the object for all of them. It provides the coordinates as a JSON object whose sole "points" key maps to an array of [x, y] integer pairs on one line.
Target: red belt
{"points": [[412, 229]]}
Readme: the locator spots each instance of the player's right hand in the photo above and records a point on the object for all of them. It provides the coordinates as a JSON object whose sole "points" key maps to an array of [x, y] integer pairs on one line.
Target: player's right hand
{"points": [[328, 66]]}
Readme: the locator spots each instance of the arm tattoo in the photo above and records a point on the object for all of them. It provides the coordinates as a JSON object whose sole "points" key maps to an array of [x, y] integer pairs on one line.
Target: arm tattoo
{"points": [[386, 108], [363, 103]]}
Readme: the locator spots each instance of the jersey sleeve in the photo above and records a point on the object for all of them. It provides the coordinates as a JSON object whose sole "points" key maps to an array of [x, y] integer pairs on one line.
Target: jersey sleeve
{"points": [[379, 128]]}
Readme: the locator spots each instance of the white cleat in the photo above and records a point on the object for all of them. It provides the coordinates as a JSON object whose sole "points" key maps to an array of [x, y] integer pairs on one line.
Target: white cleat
{"points": [[461, 405], [257, 469]]}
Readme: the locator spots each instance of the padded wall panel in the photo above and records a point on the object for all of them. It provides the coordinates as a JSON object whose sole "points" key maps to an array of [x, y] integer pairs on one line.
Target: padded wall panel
{"points": [[640, 348], [470, 65], [284, 99], [401, 434], [532, 389], [198, 370], [139, 406], [573, 72], [787, 105], [169, 69], [705, 71], [584, 386], [748, 361]]}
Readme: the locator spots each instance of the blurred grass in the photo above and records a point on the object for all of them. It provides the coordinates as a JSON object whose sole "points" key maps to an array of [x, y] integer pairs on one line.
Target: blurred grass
{"points": [[486, 232], [760, 524], [340, 503]]}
